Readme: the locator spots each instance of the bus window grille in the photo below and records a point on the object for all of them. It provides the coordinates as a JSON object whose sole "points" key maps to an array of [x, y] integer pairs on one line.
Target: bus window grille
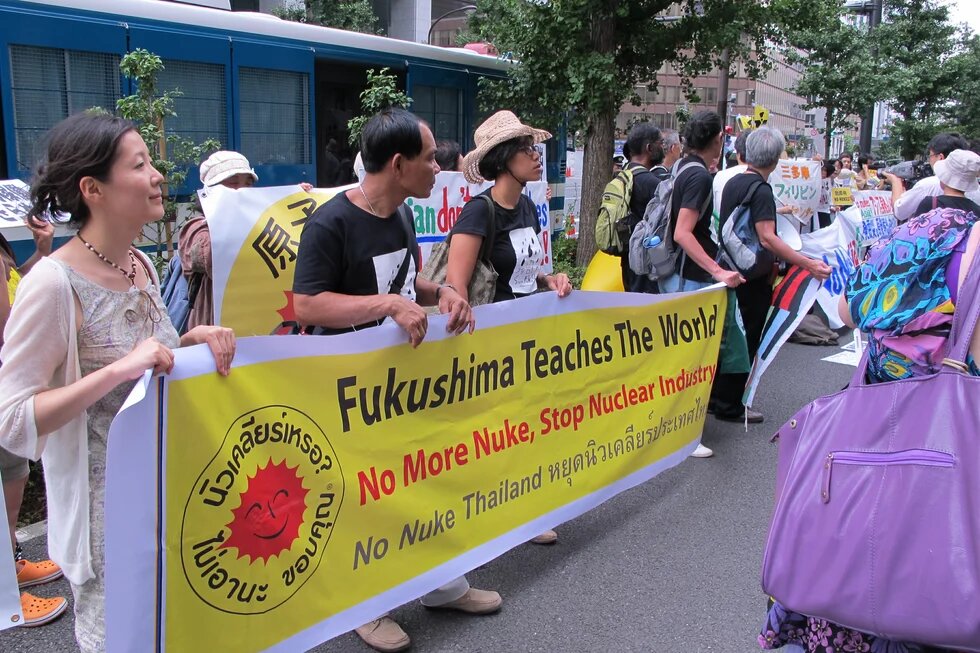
{"points": [[202, 107], [50, 84], [274, 109]]}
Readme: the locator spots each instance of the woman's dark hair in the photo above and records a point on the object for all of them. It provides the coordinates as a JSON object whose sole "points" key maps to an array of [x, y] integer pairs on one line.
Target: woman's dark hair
{"points": [[701, 129], [945, 142], [447, 155], [829, 168], [83, 145], [390, 132], [495, 161]]}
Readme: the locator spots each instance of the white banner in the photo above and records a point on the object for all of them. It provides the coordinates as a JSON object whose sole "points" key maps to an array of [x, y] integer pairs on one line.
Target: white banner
{"points": [[837, 246], [10, 614]]}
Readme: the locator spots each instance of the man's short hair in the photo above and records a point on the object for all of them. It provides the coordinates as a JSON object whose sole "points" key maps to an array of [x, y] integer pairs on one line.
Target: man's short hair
{"points": [[387, 133], [447, 155], [740, 144], [944, 143], [642, 135], [763, 147], [701, 129], [671, 138]]}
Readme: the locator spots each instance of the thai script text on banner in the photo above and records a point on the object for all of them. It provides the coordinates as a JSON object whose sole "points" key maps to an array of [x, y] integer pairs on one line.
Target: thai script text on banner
{"points": [[327, 480]]}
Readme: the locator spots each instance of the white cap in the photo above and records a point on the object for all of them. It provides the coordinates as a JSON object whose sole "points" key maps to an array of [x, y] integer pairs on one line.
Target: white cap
{"points": [[222, 165], [959, 170]]}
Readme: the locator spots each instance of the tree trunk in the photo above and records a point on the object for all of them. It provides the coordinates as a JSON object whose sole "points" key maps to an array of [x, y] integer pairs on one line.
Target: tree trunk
{"points": [[600, 131], [723, 72], [596, 173]]}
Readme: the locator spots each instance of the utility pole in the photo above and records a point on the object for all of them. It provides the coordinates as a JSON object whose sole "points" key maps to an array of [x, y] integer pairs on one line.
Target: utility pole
{"points": [[723, 72], [873, 9]]}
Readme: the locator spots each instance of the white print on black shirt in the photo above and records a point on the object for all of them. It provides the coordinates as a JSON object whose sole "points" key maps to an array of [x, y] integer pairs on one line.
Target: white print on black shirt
{"points": [[386, 267], [527, 257]]}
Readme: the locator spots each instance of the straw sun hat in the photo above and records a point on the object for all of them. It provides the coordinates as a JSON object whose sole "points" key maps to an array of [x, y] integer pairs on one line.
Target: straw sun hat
{"points": [[498, 128]]}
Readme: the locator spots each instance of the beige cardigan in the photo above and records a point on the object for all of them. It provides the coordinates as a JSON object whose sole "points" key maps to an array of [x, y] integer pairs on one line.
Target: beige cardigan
{"points": [[40, 352]]}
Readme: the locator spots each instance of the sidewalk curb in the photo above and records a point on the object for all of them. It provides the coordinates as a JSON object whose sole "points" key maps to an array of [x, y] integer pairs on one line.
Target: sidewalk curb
{"points": [[32, 531]]}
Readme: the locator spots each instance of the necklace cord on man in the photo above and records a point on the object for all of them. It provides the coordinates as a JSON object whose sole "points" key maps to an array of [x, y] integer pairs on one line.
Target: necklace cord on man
{"points": [[364, 195]]}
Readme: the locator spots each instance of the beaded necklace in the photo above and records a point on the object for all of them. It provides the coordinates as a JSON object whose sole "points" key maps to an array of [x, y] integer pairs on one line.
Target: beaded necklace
{"points": [[131, 275]]}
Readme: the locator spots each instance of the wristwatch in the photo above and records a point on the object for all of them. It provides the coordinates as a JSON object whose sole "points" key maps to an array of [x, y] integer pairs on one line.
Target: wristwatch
{"points": [[445, 285]]}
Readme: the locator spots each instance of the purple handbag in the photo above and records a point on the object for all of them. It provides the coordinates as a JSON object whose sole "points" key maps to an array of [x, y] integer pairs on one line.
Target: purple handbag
{"points": [[877, 518]]}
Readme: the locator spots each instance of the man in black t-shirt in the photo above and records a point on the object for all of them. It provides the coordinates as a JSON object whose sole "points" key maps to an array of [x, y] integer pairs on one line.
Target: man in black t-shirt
{"points": [[690, 211], [646, 150], [762, 152], [358, 255], [356, 266]]}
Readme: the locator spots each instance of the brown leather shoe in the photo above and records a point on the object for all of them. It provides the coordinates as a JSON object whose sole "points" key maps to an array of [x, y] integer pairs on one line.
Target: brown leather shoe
{"points": [[473, 602], [548, 537], [384, 634]]}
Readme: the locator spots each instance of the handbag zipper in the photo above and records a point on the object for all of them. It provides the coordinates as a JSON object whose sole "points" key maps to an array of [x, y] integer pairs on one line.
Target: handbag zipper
{"points": [[922, 457]]}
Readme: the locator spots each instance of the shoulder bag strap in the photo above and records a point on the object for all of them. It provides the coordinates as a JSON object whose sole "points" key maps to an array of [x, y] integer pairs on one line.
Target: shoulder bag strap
{"points": [[487, 247], [967, 313]]}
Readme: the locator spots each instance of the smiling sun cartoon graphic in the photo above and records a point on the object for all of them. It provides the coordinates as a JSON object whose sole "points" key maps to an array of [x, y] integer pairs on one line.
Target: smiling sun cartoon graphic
{"points": [[268, 520]]}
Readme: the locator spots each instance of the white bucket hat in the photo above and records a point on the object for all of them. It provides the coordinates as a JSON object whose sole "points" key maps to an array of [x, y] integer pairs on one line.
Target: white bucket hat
{"points": [[222, 165], [959, 170], [501, 126]]}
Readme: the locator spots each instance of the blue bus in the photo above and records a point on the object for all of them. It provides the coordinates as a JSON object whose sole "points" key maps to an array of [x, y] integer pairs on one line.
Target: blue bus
{"points": [[277, 91]]}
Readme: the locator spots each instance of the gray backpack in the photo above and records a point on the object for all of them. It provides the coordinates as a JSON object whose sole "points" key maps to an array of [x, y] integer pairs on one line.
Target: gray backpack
{"points": [[652, 251]]}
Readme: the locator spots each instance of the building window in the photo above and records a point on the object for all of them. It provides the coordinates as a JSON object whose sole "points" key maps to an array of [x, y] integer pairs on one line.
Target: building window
{"points": [[274, 116], [441, 108], [202, 107], [50, 84]]}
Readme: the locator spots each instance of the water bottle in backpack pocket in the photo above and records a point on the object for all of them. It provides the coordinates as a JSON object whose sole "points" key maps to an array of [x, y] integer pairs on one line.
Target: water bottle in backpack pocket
{"points": [[649, 257]]}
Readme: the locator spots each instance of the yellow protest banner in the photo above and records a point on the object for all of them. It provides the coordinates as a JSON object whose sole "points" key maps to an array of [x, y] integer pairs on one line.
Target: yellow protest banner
{"points": [[841, 196], [329, 479]]}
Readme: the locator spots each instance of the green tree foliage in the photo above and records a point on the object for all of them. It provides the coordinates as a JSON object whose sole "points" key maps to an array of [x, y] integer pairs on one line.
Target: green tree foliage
{"points": [[918, 61], [171, 154], [381, 93], [353, 15], [835, 58], [582, 59], [965, 111]]}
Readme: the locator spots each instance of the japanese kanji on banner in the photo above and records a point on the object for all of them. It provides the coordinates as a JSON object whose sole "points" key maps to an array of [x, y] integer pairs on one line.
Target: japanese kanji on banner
{"points": [[255, 233], [328, 480], [797, 183], [874, 209]]}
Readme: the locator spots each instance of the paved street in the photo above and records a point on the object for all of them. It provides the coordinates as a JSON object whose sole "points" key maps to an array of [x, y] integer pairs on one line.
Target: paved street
{"points": [[671, 566]]}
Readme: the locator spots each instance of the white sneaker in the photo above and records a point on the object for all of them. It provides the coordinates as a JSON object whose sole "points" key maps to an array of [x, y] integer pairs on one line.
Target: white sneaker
{"points": [[702, 452]]}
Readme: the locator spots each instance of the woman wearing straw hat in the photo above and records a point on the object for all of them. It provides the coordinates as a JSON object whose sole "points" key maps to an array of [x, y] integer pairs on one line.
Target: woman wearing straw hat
{"points": [[504, 154]]}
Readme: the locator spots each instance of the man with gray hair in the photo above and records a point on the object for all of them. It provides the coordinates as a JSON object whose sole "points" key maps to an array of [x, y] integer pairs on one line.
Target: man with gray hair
{"points": [[672, 152], [763, 148]]}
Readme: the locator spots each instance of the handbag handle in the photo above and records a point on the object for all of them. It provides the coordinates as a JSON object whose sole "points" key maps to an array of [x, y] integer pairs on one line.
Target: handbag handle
{"points": [[967, 313]]}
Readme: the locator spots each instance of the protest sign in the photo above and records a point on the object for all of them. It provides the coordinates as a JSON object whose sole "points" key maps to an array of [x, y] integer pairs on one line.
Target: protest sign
{"points": [[327, 480], [841, 196], [10, 610], [874, 209], [837, 246], [255, 234], [797, 183], [15, 202]]}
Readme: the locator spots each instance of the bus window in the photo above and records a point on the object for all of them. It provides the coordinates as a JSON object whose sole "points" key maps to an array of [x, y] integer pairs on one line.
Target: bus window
{"points": [[442, 108], [274, 116], [50, 84], [202, 107]]}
